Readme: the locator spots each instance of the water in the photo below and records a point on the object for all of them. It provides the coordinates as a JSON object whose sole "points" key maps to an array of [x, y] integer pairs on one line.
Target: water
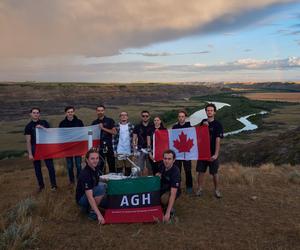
{"points": [[247, 124], [199, 115]]}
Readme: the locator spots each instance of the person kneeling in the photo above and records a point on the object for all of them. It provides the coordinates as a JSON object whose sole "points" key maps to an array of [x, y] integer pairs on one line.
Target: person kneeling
{"points": [[89, 192], [170, 183]]}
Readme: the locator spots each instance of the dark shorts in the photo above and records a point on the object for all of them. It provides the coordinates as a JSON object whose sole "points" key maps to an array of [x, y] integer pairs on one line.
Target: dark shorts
{"points": [[203, 165]]}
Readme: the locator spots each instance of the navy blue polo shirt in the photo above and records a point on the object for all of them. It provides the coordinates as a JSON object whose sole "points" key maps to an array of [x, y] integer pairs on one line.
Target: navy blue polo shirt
{"points": [[107, 123], [87, 180], [30, 129], [169, 178]]}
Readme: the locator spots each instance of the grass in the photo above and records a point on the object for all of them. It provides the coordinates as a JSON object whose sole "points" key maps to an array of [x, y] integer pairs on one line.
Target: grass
{"points": [[251, 215], [20, 232], [11, 154], [286, 97], [294, 177]]}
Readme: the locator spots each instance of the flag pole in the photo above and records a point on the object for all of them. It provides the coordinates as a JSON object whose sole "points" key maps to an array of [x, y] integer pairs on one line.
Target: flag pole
{"points": [[90, 139]]}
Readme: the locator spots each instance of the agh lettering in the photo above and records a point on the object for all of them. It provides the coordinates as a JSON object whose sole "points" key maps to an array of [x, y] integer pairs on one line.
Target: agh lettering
{"points": [[136, 200]]}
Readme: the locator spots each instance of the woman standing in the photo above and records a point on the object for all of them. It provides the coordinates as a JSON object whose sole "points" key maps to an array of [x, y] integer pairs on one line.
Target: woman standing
{"points": [[158, 125]]}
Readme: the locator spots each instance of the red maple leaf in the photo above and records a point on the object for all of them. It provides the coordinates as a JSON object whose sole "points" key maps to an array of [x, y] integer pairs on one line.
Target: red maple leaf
{"points": [[183, 145]]}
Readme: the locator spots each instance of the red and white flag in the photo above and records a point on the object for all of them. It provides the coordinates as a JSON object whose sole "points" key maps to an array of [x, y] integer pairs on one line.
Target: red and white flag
{"points": [[64, 142], [188, 143]]}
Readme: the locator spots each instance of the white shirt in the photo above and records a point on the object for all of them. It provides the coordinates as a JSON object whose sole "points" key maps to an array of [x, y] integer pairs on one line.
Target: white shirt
{"points": [[124, 140]]}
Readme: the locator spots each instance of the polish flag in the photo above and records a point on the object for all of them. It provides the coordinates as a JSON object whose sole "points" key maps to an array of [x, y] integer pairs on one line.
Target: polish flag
{"points": [[64, 142], [188, 143]]}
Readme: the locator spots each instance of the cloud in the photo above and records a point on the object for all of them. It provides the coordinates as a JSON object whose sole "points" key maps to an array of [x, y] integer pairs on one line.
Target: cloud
{"points": [[295, 33], [42, 28], [242, 69], [288, 32], [241, 64], [153, 54], [247, 50], [295, 26]]}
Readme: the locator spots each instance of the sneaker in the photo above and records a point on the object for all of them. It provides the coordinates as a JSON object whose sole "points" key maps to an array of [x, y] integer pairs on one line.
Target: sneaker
{"points": [[92, 215], [218, 194], [199, 192], [189, 190], [40, 189], [54, 188]]}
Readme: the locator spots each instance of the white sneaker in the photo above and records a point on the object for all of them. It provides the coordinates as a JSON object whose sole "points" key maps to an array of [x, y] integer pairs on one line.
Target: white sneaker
{"points": [[218, 194], [199, 192]]}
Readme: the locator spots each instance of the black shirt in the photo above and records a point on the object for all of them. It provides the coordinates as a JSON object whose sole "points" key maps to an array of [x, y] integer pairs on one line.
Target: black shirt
{"points": [[169, 179], [107, 123], [65, 123], [142, 132], [215, 130], [87, 180], [30, 129], [185, 125]]}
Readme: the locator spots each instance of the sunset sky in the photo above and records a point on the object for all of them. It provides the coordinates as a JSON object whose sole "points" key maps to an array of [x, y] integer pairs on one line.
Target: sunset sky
{"points": [[154, 40]]}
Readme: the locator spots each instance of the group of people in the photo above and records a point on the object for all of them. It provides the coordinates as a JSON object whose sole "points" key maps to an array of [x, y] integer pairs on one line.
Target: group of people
{"points": [[125, 140]]}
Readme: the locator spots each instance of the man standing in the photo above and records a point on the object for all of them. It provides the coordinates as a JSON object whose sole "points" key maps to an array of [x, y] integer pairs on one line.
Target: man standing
{"points": [[170, 183], [107, 127], [89, 192], [216, 133], [186, 164], [70, 121], [31, 144], [140, 133], [123, 143]]}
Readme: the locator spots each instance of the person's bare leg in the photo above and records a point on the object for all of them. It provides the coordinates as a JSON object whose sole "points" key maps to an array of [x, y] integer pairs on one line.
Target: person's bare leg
{"points": [[216, 184], [216, 181], [200, 183]]}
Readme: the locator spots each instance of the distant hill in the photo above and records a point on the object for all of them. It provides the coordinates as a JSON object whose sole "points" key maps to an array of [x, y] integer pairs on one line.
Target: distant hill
{"points": [[279, 86], [280, 149], [53, 97]]}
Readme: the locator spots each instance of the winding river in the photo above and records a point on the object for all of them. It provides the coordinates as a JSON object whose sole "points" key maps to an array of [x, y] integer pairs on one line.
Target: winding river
{"points": [[199, 115]]}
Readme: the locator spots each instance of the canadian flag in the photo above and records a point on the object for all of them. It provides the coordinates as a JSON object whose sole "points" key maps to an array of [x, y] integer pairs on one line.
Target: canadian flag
{"points": [[188, 143], [64, 142]]}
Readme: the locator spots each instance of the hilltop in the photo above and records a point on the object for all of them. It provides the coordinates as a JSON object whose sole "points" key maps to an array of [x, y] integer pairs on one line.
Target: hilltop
{"points": [[260, 205], [259, 210]]}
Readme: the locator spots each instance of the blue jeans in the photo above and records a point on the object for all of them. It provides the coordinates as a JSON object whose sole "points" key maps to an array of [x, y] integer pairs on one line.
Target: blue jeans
{"points": [[98, 190], [38, 170], [70, 166]]}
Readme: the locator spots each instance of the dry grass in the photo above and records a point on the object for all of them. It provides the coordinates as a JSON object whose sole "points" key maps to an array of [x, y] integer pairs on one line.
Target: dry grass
{"points": [[294, 177], [273, 96], [60, 168], [252, 214], [18, 230]]}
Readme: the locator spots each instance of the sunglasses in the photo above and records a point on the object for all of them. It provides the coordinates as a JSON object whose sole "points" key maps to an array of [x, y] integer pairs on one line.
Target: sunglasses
{"points": [[145, 115]]}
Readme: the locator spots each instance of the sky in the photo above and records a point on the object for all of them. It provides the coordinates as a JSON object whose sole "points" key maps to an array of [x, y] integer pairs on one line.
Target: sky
{"points": [[149, 41]]}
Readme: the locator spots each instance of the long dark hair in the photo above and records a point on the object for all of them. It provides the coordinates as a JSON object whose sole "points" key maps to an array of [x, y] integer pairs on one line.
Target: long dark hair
{"points": [[161, 123]]}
